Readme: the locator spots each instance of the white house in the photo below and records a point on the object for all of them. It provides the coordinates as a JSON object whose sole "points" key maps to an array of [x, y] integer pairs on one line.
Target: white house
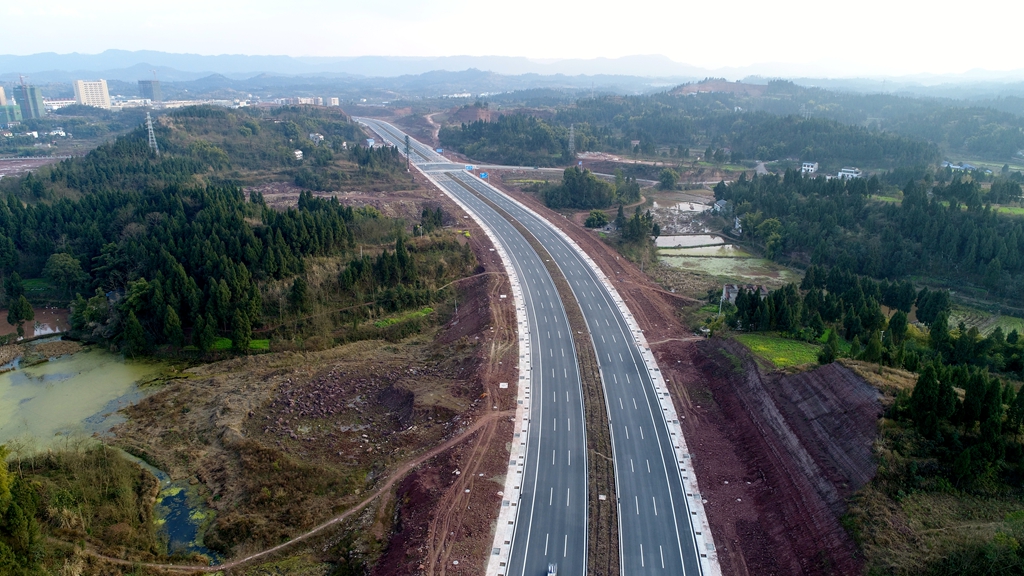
{"points": [[298, 154], [849, 173], [809, 168]]}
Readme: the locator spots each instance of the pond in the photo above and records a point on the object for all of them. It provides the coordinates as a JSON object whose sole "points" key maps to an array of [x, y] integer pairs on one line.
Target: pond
{"points": [[73, 396], [181, 514], [736, 269], [683, 206], [688, 240], [719, 251]]}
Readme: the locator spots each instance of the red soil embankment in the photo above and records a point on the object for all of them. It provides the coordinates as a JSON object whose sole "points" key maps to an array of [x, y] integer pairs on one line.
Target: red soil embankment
{"points": [[777, 456]]}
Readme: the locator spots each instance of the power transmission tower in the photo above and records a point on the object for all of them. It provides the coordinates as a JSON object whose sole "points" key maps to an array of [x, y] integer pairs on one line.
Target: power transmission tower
{"points": [[407, 147], [152, 137], [572, 141]]}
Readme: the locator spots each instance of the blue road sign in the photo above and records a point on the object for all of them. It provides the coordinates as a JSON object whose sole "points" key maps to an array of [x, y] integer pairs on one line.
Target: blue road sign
{"points": [[469, 166], [483, 174], [440, 150]]}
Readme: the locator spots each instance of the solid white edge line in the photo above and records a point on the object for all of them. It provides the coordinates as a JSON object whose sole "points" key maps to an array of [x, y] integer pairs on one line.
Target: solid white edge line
{"points": [[708, 558]]}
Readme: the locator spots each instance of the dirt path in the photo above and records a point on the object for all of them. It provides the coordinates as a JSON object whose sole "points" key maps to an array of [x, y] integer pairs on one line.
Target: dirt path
{"points": [[446, 526], [487, 421], [435, 126]]}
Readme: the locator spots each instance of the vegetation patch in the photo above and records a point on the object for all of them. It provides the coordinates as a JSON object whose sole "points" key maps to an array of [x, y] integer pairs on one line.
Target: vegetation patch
{"points": [[781, 352]]}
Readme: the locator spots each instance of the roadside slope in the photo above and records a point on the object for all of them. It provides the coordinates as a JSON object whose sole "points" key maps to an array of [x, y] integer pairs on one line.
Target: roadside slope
{"points": [[772, 486]]}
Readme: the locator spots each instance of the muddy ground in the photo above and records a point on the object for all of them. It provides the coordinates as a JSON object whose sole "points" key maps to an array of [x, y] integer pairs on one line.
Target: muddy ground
{"points": [[776, 456], [46, 321]]}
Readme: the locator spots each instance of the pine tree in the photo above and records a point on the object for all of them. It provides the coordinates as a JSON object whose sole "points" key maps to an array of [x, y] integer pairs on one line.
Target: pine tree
{"points": [[134, 335], [206, 333], [873, 351], [924, 402], [297, 296], [830, 351], [974, 396], [172, 327], [898, 327], [241, 333], [19, 312]]}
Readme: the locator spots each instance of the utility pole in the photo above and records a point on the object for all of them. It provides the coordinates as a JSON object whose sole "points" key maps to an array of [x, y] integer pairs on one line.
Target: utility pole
{"points": [[572, 141]]}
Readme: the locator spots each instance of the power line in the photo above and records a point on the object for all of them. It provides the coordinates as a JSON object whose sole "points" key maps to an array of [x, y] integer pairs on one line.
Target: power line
{"points": [[152, 137]]}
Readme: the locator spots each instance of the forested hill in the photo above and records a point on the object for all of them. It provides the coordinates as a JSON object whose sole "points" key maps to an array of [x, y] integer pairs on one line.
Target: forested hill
{"points": [[165, 251], [710, 120], [222, 146], [944, 231], [514, 140], [668, 123], [991, 130]]}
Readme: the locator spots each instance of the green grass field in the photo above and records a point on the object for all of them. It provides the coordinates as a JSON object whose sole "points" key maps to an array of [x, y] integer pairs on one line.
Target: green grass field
{"points": [[781, 352], [223, 344], [1011, 210], [880, 198], [422, 313]]}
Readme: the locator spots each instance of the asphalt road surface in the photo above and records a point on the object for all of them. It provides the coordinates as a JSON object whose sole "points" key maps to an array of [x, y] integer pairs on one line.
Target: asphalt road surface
{"points": [[655, 531], [551, 523]]}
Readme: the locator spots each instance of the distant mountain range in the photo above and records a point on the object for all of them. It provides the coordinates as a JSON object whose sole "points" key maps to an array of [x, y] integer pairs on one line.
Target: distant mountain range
{"points": [[138, 65], [625, 75]]}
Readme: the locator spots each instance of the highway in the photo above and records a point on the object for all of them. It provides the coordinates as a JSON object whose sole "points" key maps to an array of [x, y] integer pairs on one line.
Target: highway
{"points": [[551, 524], [655, 531]]}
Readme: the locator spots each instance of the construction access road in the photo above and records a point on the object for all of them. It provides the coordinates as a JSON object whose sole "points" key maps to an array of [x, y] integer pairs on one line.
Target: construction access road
{"points": [[656, 533]]}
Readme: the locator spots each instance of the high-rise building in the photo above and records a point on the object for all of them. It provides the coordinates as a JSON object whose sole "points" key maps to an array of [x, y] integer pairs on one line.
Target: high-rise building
{"points": [[92, 93], [150, 89], [10, 113], [335, 102], [31, 102], [3, 97]]}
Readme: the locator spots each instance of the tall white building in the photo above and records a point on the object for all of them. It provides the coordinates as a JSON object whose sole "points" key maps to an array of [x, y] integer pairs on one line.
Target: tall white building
{"points": [[334, 101], [92, 93], [3, 97]]}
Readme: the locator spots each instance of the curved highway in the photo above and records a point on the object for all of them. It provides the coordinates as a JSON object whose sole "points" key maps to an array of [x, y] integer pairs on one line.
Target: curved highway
{"points": [[551, 523], [656, 535]]}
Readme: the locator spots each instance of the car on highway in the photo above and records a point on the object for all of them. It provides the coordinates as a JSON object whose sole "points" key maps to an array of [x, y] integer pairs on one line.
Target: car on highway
{"points": [[552, 569]]}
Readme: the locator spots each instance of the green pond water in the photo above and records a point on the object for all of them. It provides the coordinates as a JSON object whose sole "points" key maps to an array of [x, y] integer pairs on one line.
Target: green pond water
{"points": [[74, 396], [180, 513], [734, 269], [688, 240], [56, 404], [723, 251]]}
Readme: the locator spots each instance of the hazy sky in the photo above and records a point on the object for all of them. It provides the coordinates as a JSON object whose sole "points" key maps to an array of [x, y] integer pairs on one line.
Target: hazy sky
{"points": [[862, 37]]}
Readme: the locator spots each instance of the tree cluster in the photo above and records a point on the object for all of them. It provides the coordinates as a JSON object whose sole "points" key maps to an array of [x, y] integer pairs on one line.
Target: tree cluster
{"points": [[513, 139], [948, 232]]}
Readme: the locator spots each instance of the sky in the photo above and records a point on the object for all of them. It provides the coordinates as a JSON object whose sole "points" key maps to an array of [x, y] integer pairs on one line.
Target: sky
{"points": [[863, 37]]}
